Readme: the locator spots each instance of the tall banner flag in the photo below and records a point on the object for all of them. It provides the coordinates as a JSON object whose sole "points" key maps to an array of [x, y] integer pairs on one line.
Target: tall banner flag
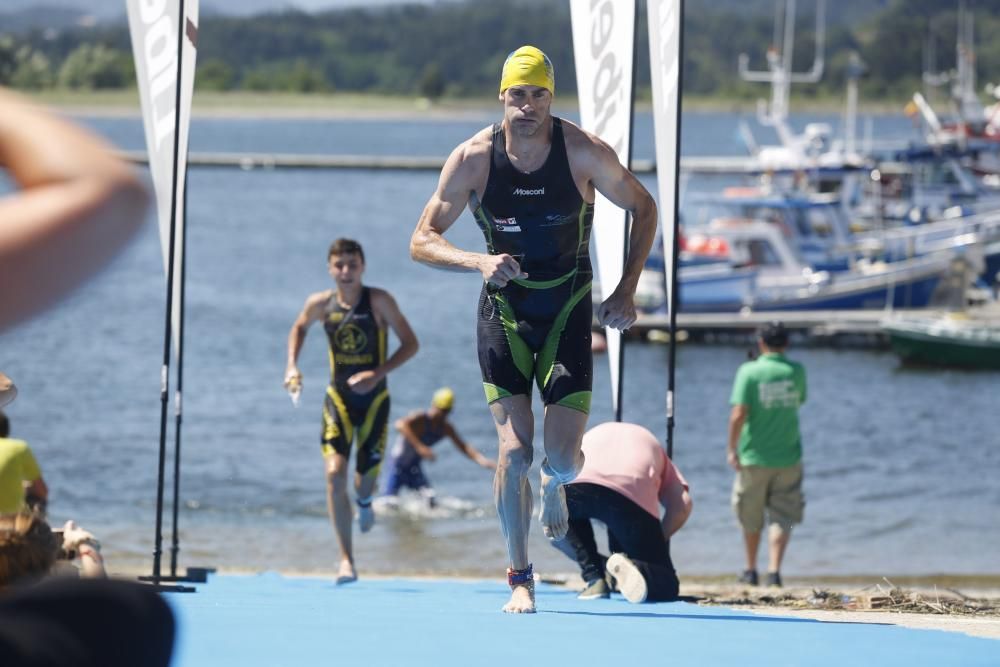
{"points": [[664, 64], [164, 41], [666, 50], [604, 54], [153, 25]]}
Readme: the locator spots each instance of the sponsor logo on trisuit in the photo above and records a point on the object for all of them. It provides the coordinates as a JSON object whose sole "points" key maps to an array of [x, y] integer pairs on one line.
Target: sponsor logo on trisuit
{"points": [[523, 192], [507, 225]]}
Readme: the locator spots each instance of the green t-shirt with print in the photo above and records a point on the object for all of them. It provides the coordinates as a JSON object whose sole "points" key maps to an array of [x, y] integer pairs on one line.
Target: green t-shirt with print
{"points": [[773, 388]]}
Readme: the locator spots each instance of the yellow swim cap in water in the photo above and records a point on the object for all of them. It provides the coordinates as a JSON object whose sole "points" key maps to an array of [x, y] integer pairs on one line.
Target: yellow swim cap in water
{"points": [[528, 66], [443, 399]]}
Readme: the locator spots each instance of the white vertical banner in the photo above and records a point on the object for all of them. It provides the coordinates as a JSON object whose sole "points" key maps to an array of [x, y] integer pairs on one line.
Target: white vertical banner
{"points": [[664, 62], [153, 26], [603, 50]]}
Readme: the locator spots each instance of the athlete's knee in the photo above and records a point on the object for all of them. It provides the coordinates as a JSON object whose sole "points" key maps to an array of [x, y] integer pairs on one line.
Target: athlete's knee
{"points": [[336, 472], [515, 457]]}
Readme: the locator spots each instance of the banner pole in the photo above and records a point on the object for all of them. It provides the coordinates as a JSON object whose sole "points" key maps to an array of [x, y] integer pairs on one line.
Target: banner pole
{"points": [[675, 245]]}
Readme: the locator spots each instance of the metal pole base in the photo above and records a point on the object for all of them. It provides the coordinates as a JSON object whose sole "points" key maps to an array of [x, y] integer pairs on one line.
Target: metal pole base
{"points": [[194, 575], [166, 588]]}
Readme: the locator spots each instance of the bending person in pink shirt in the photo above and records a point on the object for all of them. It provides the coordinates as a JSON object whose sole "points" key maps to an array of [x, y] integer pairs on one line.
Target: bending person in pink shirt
{"points": [[625, 480]]}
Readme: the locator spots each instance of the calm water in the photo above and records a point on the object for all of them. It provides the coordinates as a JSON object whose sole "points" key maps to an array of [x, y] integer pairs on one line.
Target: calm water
{"points": [[901, 464]]}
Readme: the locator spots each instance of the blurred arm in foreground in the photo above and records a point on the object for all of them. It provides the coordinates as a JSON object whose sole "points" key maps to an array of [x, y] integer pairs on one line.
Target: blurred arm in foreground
{"points": [[76, 206]]}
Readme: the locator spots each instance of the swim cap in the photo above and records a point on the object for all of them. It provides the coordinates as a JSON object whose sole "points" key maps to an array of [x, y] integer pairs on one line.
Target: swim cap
{"points": [[528, 66], [443, 399]]}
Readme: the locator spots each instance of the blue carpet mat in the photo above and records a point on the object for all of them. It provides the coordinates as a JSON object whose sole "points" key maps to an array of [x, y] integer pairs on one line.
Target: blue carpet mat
{"points": [[273, 620]]}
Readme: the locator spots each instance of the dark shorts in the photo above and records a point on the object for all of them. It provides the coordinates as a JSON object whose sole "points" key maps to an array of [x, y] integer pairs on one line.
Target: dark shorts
{"points": [[527, 334], [631, 530], [347, 420], [402, 475]]}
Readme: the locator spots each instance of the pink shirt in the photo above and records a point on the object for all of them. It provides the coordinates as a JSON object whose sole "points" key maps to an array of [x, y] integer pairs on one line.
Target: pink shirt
{"points": [[630, 460]]}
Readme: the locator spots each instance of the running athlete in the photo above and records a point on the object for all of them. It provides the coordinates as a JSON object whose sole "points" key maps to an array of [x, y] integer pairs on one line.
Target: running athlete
{"points": [[356, 319], [530, 183], [418, 432]]}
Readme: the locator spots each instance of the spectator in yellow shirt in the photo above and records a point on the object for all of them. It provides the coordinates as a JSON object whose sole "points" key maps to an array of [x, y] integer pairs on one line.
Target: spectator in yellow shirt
{"points": [[20, 476]]}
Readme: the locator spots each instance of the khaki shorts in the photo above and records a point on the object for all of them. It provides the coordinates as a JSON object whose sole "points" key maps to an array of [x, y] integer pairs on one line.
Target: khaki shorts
{"points": [[778, 490]]}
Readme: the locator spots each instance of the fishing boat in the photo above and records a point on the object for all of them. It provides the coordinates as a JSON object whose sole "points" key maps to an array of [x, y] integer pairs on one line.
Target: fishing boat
{"points": [[925, 182], [827, 239], [762, 270], [952, 339]]}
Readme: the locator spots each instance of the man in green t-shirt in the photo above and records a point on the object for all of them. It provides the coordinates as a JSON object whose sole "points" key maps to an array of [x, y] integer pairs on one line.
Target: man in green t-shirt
{"points": [[765, 449]]}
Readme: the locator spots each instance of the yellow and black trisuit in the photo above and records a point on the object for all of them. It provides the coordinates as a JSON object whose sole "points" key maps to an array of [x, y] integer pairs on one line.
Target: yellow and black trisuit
{"points": [[357, 343], [537, 327]]}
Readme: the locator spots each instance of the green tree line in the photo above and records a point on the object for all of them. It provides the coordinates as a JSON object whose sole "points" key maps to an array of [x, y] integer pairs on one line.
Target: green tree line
{"points": [[456, 49]]}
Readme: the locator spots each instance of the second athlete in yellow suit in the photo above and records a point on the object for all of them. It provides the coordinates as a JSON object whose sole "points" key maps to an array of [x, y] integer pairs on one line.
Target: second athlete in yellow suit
{"points": [[356, 407]]}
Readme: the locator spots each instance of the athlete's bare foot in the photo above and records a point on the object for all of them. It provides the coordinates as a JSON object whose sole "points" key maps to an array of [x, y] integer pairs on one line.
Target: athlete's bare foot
{"points": [[554, 514], [366, 518], [346, 574], [522, 600]]}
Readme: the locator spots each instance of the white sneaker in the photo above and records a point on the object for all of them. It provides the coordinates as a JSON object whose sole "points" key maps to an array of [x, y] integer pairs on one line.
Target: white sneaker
{"points": [[629, 580]]}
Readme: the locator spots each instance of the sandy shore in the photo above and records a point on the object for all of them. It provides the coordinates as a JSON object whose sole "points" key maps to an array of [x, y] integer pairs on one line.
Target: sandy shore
{"points": [[125, 104], [339, 106], [972, 611]]}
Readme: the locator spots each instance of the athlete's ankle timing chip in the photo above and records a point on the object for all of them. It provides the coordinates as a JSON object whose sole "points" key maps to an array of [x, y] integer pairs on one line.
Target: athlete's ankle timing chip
{"points": [[520, 577]]}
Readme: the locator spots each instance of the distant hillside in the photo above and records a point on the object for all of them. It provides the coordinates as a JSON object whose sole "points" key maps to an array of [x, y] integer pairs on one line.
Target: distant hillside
{"points": [[49, 18], [456, 48], [838, 12], [17, 16]]}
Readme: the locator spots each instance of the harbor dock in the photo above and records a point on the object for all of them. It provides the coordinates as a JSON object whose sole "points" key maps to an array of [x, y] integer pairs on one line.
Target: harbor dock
{"points": [[854, 328]]}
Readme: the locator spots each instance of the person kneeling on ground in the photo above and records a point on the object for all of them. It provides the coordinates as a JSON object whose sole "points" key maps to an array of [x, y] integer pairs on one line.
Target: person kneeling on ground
{"points": [[418, 432], [625, 479]]}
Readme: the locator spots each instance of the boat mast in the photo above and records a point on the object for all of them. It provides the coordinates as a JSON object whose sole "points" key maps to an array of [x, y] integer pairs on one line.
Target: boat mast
{"points": [[779, 73]]}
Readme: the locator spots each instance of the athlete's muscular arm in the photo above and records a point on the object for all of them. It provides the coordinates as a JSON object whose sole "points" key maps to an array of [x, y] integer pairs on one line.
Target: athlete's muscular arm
{"points": [[467, 449], [596, 161], [387, 311], [464, 173], [312, 311], [405, 427]]}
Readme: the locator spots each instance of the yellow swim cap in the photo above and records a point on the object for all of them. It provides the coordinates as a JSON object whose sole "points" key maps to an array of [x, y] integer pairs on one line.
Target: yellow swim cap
{"points": [[443, 399], [528, 66]]}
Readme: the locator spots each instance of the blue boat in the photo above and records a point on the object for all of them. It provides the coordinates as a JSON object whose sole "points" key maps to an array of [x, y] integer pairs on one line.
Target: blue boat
{"points": [[763, 271]]}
